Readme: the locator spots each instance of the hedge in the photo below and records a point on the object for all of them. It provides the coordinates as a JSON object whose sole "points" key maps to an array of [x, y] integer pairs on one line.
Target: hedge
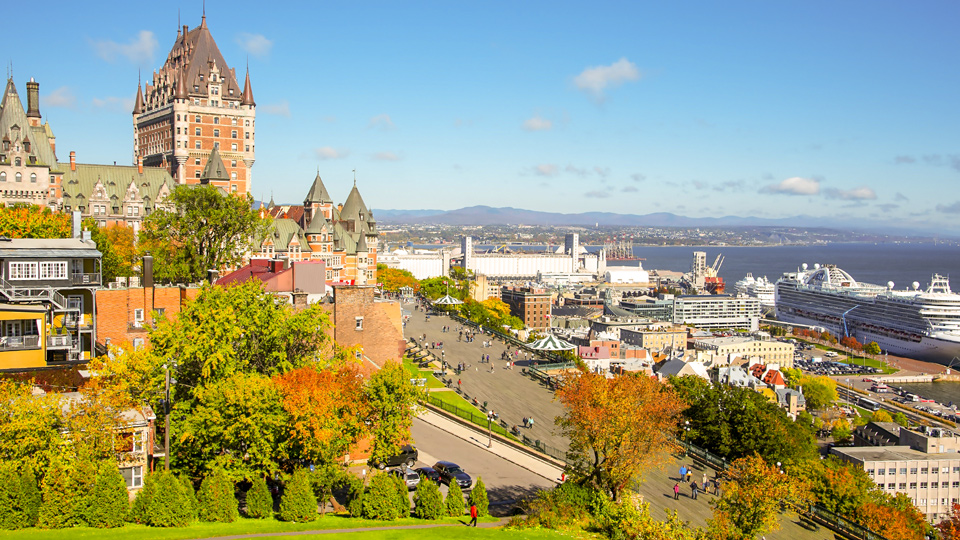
{"points": [[259, 500], [216, 500], [454, 501], [478, 497], [107, 502], [298, 502], [428, 500]]}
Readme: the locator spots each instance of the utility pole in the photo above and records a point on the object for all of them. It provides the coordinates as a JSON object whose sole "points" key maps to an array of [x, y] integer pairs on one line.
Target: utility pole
{"points": [[166, 410]]}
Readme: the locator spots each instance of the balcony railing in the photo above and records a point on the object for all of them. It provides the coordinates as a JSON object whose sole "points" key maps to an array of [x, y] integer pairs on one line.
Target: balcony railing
{"points": [[12, 343], [59, 342], [86, 279]]}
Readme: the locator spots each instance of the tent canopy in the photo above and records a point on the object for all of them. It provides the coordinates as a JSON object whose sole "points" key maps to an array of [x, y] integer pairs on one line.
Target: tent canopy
{"points": [[447, 300], [551, 343]]}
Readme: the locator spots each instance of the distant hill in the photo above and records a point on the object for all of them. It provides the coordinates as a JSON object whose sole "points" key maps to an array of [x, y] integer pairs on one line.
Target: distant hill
{"points": [[487, 215]]}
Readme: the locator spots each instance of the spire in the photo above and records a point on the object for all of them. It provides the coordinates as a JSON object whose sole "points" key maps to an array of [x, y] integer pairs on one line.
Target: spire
{"points": [[318, 192], [215, 169], [181, 91], [138, 106], [247, 91]]}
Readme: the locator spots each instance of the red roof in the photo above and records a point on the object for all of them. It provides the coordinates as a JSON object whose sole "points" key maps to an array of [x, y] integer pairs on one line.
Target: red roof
{"points": [[262, 269]]}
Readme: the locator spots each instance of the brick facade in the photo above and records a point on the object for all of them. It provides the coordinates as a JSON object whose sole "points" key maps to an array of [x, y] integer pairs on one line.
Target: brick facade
{"points": [[375, 327], [124, 315]]}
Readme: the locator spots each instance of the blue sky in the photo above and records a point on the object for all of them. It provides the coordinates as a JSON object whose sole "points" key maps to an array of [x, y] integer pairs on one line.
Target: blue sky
{"points": [[769, 109]]}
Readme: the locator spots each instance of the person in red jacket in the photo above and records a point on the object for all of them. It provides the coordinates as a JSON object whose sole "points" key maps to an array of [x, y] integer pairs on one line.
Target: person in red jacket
{"points": [[473, 515]]}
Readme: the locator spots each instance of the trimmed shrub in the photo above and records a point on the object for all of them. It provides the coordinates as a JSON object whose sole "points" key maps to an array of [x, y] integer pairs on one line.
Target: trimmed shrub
{"points": [[478, 496], [169, 505], [259, 500], [107, 501], [58, 508], [403, 496], [454, 501], [355, 492], [216, 500], [84, 476], [380, 500], [298, 502], [140, 510], [30, 494], [13, 512], [428, 500], [190, 496]]}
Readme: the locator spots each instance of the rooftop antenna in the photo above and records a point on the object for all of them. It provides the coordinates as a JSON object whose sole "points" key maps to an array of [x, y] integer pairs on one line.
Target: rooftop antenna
{"points": [[354, 178]]}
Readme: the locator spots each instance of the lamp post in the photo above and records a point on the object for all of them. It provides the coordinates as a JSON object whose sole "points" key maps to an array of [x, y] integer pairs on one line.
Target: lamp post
{"points": [[491, 416], [686, 431]]}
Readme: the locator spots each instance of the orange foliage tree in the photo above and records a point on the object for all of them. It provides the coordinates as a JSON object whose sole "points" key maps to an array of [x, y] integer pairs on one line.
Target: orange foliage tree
{"points": [[949, 528], [617, 427], [894, 523], [31, 221], [327, 411]]}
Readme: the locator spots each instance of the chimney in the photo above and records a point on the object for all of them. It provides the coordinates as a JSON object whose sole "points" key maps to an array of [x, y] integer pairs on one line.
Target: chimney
{"points": [[140, 164], [148, 270], [73, 161], [76, 227], [33, 102], [213, 276]]}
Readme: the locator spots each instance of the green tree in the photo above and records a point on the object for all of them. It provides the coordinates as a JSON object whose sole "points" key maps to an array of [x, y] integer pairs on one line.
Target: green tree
{"points": [[478, 497], [236, 424], [190, 496], [30, 426], [429, 501], [841, 431], [14, 512], [392, 402], [30, 496], [259, 500], [901, 419], [454, 501], [206, 229], [881, 416], [380, 499], [216, 500], [140, 509], [31, 221], [872, 348], [298, 503], [111, 265], [108, 500], [60, 501], [838, 486], [169, 505], [402, 496]]}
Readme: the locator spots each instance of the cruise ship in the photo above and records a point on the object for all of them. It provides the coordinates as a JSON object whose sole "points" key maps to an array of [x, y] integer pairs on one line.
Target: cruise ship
{"points": [[915, 323], [759, 288]]}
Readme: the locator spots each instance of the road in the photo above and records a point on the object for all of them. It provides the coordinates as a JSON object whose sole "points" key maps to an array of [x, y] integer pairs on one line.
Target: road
{"points": [[505, 481]]}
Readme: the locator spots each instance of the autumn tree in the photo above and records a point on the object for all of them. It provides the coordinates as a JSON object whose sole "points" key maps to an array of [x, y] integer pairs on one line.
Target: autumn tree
{"points": [[949, 528], [617, 427], [31, 221], [818, 391], [391, 400], [838, 486], [872, 348], [123, 240], [394, 279], [206, 230], [326, 411], [753, 493], [893, 517], [30, 426]]}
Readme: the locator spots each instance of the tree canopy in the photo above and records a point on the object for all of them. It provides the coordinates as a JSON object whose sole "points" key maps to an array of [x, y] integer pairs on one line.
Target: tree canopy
{"points": [[206, 230], [31, 221], [394, 278]]}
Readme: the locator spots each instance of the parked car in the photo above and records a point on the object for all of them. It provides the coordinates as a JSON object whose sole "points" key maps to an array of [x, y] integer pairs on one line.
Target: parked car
{"points": [[429, 473], [409, 476], [408, 456], [450, 471]]}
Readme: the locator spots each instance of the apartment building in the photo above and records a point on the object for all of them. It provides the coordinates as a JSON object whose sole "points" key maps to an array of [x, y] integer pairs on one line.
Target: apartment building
{"points": [[531, 305], [717, 311], [767, 351]]}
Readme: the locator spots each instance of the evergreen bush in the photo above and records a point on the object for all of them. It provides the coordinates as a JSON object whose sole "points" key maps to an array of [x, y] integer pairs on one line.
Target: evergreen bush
{"points": [[478, 497], [169, 504], [454, 501], [259, 500], [428, 500], [107, 502], [13, 512], [298, 502], [30, 493], [216, 500], [140, 510], [190, 496], [58, 508], [83, 475], [403, 496], [355, 492], [380, 500]]}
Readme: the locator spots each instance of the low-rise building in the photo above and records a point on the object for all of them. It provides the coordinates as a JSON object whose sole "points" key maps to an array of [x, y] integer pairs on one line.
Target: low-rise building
{"points": [[717, 311], [532, 305], [925, 466], [749, 348], [655, 337]]}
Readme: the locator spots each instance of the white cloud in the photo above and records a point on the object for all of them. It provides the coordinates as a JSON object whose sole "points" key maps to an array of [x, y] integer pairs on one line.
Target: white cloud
{"points": [[862, 193], [546, 169], [537, 124], [949, 209], [576, 170], [597, 194], [594, 80], [255, 44], [794, 186], [386, 156], [61, 97], [327, 152], [629, 189], [637, 177], [139, 51], [281, 108], [383, 121], [602, 172], [113, 103]]}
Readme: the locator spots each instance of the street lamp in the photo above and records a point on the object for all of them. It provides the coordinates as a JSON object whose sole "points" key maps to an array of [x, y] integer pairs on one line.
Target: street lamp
{"points": [[686, 431], [491, 416]]}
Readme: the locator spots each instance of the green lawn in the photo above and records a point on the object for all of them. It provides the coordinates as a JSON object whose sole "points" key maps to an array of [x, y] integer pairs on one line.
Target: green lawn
{"points": [[242, 526], [453, 403], [869, 362], [417, 373]]}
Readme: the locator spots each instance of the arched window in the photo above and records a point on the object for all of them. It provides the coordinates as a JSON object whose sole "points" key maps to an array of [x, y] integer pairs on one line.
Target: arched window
{"points": [[33, 178], [3, 177], [17, 162], [19, 177]]}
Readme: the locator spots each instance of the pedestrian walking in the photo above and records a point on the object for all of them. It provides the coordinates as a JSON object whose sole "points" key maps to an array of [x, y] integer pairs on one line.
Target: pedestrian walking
{"points": [[716, 486], [683, 472], [473, 515], [531, 421], [689, 473], [693, 490], [524, 421], [458, 383], [703, 483], [676, 491]]}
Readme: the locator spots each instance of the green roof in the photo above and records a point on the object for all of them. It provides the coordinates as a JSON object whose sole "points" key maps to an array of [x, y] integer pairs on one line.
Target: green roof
{"points": [[79, 185]]}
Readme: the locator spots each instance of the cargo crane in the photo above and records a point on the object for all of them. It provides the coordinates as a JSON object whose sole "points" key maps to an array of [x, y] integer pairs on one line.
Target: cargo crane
{"points": [[712, 282]]}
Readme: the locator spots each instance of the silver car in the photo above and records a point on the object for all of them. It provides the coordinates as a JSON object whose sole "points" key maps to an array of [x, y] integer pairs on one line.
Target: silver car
{"points": [[408, 475]]}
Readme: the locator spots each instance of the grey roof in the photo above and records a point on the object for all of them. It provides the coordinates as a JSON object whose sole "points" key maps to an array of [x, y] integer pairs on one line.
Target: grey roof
{"points": [[214, 169], [283, 230], [318, 192], [12, 114], [889, 453], [783, 393], [116, 179], [47, 248], [201, 49], [617, 311], [671, 368]]}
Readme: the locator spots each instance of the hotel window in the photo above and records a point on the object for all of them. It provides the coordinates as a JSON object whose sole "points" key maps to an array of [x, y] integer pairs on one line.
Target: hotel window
{"points": [[247, 123], [33, 178], [923, 470], [196, 101], [903, 485], [923, 485], [233, 176], [26, 270], [246, 135], [913, 470], [233, 134], [944, 485], [234, 162], [53, 270], [216, 133], [138, 342], [197, 144], [197, 119], [882, 471], [903, 470], [196, 131], [196, 161], [3, 177], [216, 119], [248, 148], [233, 147], [19, 177], [133, 476], [233, 188], [913, 485]]}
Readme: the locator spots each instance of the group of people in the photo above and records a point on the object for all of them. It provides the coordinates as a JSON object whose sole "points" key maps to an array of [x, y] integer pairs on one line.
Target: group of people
{"points": [[706, 484]]}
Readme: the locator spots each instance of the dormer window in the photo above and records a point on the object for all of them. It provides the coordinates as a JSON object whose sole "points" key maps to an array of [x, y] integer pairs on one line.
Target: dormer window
{"points": [[201, 76]]}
